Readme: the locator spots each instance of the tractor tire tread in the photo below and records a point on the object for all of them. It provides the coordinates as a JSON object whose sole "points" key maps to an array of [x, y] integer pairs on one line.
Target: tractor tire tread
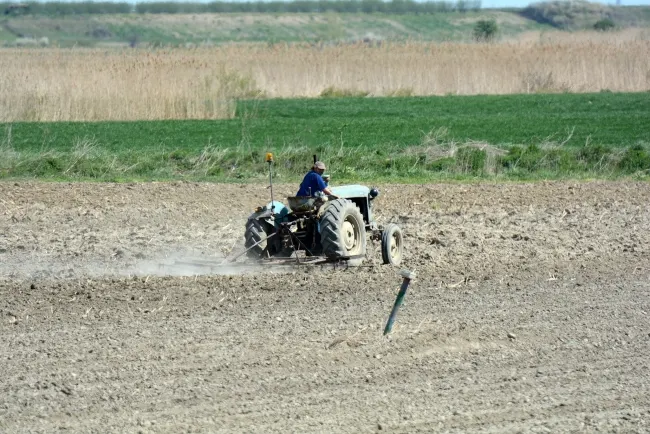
{"points": [[330, 225], [253, 234]]}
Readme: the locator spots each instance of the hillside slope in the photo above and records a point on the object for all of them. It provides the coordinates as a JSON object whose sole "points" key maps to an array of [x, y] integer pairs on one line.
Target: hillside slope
{"points": [[184, 29]]}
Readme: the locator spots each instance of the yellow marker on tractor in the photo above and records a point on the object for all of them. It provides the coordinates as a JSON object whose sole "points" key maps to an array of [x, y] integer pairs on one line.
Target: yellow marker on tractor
{"points": [[269, 159]]}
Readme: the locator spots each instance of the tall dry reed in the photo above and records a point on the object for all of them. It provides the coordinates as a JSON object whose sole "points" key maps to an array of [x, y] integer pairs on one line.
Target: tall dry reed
{"points": [[203, 83]]}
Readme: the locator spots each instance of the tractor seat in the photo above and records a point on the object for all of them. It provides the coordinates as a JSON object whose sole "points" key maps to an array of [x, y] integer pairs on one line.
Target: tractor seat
{"points": [[299, 204]]}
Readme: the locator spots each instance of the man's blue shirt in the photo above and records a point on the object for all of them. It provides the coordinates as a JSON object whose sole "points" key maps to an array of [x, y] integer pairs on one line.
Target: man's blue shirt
{"points": [[311, 184]]}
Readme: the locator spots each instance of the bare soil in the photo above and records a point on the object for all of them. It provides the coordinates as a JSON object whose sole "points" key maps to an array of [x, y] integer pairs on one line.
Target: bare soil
{"points": [[529, 313]]}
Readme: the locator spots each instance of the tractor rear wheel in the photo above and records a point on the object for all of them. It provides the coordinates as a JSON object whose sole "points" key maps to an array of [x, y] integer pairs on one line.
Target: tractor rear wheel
{"points": [[255, 233], [343, 231], [392, 244]]}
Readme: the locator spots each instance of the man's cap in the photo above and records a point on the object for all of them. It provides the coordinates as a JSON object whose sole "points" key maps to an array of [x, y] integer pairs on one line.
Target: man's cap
{"points": [[319, 165]]}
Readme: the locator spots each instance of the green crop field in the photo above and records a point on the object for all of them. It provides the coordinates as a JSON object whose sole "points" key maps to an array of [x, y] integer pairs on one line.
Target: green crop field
{"points": [[408, 139]]}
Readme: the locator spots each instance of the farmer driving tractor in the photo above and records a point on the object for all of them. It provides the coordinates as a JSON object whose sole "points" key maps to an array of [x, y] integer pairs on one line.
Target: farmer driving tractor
{"points": [[313, 183]]}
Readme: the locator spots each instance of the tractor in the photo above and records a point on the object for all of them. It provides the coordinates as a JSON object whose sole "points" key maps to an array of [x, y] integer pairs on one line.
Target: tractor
{"points": [[321, 226]]}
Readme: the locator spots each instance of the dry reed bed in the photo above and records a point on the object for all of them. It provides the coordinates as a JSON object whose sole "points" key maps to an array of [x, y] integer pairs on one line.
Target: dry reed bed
{"points": [[202, 83]]}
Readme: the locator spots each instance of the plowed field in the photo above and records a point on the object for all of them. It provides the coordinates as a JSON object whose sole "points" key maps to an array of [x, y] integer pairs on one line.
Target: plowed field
{"points": [[529, 313]]}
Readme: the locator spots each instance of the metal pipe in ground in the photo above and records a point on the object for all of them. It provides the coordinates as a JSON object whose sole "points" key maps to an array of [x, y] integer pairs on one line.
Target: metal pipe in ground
{"points": [[407, 277]]}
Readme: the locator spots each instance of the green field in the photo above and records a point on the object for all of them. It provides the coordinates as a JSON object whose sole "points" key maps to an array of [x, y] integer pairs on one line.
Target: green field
{"points": [[411, 138]]}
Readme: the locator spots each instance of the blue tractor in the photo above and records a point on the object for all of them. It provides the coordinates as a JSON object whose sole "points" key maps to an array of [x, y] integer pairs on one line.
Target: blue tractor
{"points": [[334, 230]]}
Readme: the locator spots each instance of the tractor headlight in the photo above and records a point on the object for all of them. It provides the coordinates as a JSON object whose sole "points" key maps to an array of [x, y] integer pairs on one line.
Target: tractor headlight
{"points": [[373, 193]]}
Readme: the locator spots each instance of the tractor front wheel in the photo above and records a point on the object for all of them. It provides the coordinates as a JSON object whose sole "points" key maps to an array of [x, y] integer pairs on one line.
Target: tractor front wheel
{"points": [[392, 244], [343, 232]]}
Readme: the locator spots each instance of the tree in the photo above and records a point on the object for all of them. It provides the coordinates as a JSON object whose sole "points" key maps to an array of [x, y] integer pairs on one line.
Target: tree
{"points": [[485, 30]]}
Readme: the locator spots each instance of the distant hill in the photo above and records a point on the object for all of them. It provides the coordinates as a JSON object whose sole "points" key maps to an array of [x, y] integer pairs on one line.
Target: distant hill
{"points": [[580, 14], [113, 24]]}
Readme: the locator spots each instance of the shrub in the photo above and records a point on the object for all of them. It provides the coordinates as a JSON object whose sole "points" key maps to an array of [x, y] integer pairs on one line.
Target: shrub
{"points": [[604, 25], [470, 160], [442, 164], [635, 158], [594, 154], [485, 30], [333, 92], [527, 158]]}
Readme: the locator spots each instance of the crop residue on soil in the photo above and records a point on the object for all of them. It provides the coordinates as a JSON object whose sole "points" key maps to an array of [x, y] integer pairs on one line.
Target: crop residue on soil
{"points": [[529, 313]]}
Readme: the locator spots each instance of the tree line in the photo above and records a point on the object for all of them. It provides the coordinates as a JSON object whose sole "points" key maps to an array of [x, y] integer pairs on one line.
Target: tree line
{"points": [[297, 6]]}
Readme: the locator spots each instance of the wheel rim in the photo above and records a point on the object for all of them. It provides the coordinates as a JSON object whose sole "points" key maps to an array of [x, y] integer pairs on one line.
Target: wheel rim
{"points": [[351, 236], [395, 246]]}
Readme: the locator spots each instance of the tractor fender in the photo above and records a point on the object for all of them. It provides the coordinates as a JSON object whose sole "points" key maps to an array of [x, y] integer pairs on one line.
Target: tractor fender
{"points": [[280, 210], [265, 213]]}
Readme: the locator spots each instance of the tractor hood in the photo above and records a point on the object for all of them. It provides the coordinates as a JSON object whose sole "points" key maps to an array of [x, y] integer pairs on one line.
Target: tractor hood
{"points": [[351, 191]]}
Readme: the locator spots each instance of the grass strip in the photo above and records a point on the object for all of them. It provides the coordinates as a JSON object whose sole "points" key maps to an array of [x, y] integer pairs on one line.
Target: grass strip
{"points": [[434, 161], [364, 139]]}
